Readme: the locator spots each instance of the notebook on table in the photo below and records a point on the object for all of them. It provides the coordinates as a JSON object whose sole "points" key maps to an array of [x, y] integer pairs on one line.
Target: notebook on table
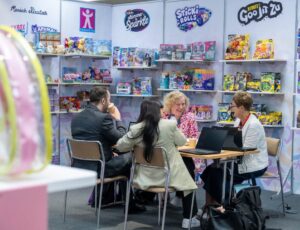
{"points": [[234, 139], [210, 142]]}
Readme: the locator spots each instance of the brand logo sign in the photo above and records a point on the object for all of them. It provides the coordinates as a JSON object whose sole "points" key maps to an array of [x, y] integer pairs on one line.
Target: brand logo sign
{"points": [[257, 11], [22, 28], [87, 20], [136, 20], [30, 10], [189, 17], [35, 29]]}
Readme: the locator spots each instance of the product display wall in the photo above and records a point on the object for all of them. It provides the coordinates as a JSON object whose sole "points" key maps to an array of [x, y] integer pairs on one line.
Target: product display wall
{"points": [[222, 22]]}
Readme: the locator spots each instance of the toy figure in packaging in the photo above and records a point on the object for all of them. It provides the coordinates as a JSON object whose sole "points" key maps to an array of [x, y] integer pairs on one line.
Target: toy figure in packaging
{"points": [[198, 79], [124, 88], [253, 85], [131, 56], [173, 81], [123, 56], [179, 80], [165, 51], [188, 78], [146, 88], [267, 82], [228, 84], [264, 49], [241, 80], [136, 86], [238, 47], [210, 50], [89, 45], [188, 52], [224, 115], [116, 56], [98, 76], [198, 51], [298, 85], [179, 54]]}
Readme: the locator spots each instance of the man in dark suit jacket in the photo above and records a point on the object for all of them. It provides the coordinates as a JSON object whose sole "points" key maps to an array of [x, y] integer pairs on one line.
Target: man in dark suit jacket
{"points": [[101, 121]]}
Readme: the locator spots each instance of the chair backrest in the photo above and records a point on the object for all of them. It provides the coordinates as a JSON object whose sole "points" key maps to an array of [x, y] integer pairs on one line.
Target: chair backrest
{"points": [[273, 146], [85, 150], [158, 159]]}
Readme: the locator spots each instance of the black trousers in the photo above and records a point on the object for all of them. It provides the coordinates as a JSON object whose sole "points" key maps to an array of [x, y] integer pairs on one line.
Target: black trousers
{"points": [[187, 200]]}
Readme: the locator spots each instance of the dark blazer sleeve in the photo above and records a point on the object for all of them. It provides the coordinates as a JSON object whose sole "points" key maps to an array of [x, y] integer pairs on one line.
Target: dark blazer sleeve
{"points": [[112, 130]]}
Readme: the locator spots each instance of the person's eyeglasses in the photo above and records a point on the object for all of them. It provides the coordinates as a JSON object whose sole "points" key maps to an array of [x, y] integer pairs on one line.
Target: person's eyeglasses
{"points": [[231, 106]]}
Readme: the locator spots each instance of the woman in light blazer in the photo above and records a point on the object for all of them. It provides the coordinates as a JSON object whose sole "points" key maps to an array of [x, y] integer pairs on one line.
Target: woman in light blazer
{"points": [[151, 131], [252, 165]]}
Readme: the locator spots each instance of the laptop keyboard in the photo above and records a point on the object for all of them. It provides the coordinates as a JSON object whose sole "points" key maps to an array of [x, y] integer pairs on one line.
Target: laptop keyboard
{"points": [[201, 151]]}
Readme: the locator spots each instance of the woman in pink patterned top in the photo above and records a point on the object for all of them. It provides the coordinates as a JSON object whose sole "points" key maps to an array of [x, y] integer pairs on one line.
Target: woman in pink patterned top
{"points": [[175, 107]]}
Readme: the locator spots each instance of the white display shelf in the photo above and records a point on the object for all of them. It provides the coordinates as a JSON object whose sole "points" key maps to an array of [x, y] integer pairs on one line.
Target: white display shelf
{"points": [[137, 68], [65, 112], [189, 90], [295, 129], [84, 83], [253, 61], [48, 55], [130, 95], [56, 178], [52, 84], [251, 92], [265, 126], [71, 55], [206, 121], [184, 61]]}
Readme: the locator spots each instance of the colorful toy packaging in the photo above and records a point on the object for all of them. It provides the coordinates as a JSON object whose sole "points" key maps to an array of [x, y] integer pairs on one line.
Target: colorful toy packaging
{"points": [[116, 56], [168, 51], [298, 120], [47, 42], [198, 51], [123, 57], [238, 47], [253, 85], [224, 114], [124, 88], [210, 50], [69, 104], [270, 82], [202, 112], [146, 87], [241, 80], [264, 49], [204, 79], [229, 82]]}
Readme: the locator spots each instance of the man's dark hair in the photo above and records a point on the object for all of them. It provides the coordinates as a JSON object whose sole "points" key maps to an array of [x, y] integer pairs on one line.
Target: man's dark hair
{"points": [[97, 94]]}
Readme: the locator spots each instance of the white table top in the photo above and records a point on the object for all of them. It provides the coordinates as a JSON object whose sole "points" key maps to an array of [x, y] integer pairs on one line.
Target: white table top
{"points": [[56, 178]]}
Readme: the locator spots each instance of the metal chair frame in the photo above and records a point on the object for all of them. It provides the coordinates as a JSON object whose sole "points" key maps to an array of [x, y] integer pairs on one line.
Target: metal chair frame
{"points": [[91, 151], [157, 162]]}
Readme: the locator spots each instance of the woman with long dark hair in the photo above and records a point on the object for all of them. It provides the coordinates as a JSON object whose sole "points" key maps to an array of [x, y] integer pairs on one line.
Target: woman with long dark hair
{"points": [[151, 131]]}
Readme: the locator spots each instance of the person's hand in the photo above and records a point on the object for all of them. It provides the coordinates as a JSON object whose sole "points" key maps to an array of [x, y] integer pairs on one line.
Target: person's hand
{"points": [[114, 112], [115, 154]]}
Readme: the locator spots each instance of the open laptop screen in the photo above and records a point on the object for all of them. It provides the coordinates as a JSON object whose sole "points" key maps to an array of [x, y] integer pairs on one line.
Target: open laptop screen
{"points": [[211, 139]]}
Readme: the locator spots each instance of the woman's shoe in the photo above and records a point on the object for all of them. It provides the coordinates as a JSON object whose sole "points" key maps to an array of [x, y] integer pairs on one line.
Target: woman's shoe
{"points": [[194, 222]]}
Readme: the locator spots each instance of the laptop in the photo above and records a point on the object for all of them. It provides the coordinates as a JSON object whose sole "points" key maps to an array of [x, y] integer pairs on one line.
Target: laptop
{"points": [[210, 141], [234, 139]]}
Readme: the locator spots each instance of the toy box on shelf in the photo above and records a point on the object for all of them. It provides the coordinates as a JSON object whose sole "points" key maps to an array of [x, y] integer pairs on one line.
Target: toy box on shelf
{"points": [[91, 75], [138, 86], [69, 103], [197, 79], [245, 81], [134, 57], [202, 112], [48, 42], [82, 45], [194, 51], [264, 49], [238, 47]]}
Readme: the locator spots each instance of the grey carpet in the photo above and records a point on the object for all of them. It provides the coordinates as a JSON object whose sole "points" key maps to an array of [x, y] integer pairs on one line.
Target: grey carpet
{"points": [[80, 216]]}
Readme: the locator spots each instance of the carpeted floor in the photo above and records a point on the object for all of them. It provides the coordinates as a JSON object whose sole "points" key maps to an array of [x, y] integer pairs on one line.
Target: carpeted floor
{"points": [[80, 216]]}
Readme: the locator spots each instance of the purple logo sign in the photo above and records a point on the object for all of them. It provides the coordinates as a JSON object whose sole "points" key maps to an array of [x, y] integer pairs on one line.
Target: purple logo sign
{"points": [[87, 20]]}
